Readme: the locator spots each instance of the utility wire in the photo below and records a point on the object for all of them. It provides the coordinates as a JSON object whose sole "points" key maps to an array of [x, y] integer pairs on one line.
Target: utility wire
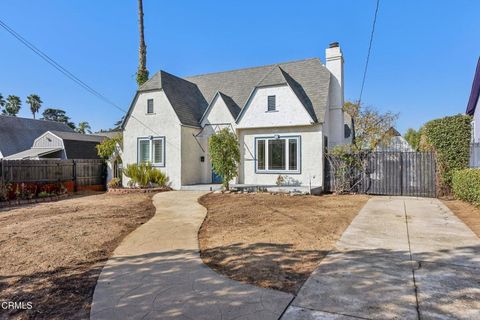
{"points": [[368, 54], [68, 74]]}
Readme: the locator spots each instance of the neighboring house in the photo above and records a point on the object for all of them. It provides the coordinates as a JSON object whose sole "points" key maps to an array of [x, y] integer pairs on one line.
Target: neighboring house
{"points": [[473, 106], [285, 115], [61, 145], [395, 143], [17, 134], [473, 109]]}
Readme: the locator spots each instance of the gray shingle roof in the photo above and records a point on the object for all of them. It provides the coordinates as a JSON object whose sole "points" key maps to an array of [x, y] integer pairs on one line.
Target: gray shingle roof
{"points": [[309, 79], [231, 105], [185, 97], [78, 136], [17, 134]]}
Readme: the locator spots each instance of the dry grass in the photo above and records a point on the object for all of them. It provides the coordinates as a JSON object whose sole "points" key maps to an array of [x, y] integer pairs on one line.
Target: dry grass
{"points": [[52, 253], [468, 213], [273, 241]]}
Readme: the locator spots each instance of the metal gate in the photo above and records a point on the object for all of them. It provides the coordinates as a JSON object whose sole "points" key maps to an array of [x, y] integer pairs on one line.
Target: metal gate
{"points": [[396, 173]]}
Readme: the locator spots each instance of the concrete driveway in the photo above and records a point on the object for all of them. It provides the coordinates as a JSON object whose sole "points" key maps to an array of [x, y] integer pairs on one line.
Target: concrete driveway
{"points": [[401, 258], [157, 273]]}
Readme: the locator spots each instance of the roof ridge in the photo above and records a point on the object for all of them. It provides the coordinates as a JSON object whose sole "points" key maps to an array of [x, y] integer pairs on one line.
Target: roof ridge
{"points": [[251, 68]]}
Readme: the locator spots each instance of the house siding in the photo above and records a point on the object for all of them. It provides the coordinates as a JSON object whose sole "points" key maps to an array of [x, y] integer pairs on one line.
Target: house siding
{"points": [[163, 122], [192, 168], [476, 124], [311, 156], [289, 110]]}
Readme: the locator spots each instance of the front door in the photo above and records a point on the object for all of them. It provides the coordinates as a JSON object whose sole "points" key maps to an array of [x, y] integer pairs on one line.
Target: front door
{"points": [[216, 178]]}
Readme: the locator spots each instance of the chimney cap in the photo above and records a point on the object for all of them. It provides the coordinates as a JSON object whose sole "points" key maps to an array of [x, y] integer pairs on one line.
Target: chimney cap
{"points": [[334, 44]]}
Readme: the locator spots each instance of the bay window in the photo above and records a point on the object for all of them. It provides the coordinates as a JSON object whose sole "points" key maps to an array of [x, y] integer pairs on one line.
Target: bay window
{"points": [[278, 154], [151, 150]]}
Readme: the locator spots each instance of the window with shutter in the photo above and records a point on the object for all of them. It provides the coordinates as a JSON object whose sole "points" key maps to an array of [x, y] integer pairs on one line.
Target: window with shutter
{"points": [[271, 103]]}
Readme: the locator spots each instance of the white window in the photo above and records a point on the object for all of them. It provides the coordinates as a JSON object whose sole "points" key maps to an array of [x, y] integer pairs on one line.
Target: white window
{"points": [[278, 154], [151, 150]]}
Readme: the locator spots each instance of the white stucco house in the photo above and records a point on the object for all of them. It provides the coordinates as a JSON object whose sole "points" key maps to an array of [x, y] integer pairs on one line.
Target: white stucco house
{"points": [[285, 115]]}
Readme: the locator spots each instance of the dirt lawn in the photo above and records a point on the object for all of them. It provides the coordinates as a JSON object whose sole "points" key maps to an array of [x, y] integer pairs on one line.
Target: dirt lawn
{"points": [[469, 214], [273, 241], [52, 253]]}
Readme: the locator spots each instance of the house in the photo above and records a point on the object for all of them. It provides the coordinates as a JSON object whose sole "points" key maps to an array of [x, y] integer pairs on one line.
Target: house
{"points": [[17, 134], [61, 145], [285, 115], [395, 143], [473, 106]]}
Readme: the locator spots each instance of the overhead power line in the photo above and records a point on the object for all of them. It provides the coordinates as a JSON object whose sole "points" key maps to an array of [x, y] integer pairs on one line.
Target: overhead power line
{"points": [[368, 53], [68, 74]]}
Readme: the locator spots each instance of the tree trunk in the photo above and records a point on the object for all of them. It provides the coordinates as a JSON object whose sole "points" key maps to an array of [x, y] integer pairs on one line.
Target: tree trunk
{"points": [[142, 73], [142, 58]]}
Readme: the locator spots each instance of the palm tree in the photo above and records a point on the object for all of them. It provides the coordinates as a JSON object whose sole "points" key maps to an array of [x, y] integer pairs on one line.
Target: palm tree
{"points": [[83, 127], [35, 103], [142, 72], [2, 102], [13, 105]]}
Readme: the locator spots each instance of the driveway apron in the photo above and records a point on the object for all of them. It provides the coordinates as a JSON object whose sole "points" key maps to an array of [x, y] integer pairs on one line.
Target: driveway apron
{"points": [[157, 273], [401, 258]]}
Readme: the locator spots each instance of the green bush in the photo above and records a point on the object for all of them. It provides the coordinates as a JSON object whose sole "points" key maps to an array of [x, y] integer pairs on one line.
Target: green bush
{"points": [[466, 185], [145, 175], [114, 183], [449, 137]]}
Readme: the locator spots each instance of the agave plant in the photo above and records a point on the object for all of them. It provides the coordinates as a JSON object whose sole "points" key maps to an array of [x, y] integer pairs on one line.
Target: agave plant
{"points": [[145, 175]]}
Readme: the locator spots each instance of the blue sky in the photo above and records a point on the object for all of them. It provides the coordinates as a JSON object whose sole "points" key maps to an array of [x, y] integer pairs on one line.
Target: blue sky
{"points": [[422, 63]]}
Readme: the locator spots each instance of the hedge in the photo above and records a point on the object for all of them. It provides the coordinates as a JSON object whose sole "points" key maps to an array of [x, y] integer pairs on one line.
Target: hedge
{"points": [[449, 137], [466, 185]]}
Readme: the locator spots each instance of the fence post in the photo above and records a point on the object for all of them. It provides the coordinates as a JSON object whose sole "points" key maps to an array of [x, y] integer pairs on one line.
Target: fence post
{"points": [[74, 167]]}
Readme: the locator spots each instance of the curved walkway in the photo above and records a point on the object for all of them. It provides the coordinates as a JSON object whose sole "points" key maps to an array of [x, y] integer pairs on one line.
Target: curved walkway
{"points": [[157, 273]]}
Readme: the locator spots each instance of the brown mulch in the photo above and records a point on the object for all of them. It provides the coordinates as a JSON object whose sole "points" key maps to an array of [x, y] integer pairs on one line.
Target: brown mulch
{"points": [[52, 253], [273, 241], [469, 214]]}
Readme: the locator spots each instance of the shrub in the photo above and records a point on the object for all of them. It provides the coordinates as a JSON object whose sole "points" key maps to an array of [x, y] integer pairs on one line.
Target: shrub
{"points": [[144, 175], [44, 194], [5, 189], [466, 185], [114, 183], [224, 152], [449, 137]]}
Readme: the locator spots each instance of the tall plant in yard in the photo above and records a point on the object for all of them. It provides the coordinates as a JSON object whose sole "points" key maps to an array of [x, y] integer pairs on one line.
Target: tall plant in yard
{"points": [[449, 138], [225, 154], [83, 127], [35, 103], [107, 147], [2, 102], [12, 106], [371, 129], [142, 72]]}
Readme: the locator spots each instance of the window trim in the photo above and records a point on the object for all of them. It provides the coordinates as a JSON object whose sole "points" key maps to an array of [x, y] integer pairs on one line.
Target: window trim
{"points": [[287, 155], [151, 139], [153, 107]]}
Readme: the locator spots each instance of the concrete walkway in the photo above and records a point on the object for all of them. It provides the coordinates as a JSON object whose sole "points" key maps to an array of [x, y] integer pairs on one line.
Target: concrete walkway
{"points": [[401, 258], [156, 273]]}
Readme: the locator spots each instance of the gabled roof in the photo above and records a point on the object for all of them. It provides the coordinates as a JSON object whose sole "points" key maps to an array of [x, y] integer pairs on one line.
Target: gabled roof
{"points": [[184, 96], [309, 79], [17, 134], [475, 92]]}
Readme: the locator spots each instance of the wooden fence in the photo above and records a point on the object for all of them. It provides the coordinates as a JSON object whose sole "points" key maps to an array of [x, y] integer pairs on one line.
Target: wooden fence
{"points": [[390, 173], [78, 174]]}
